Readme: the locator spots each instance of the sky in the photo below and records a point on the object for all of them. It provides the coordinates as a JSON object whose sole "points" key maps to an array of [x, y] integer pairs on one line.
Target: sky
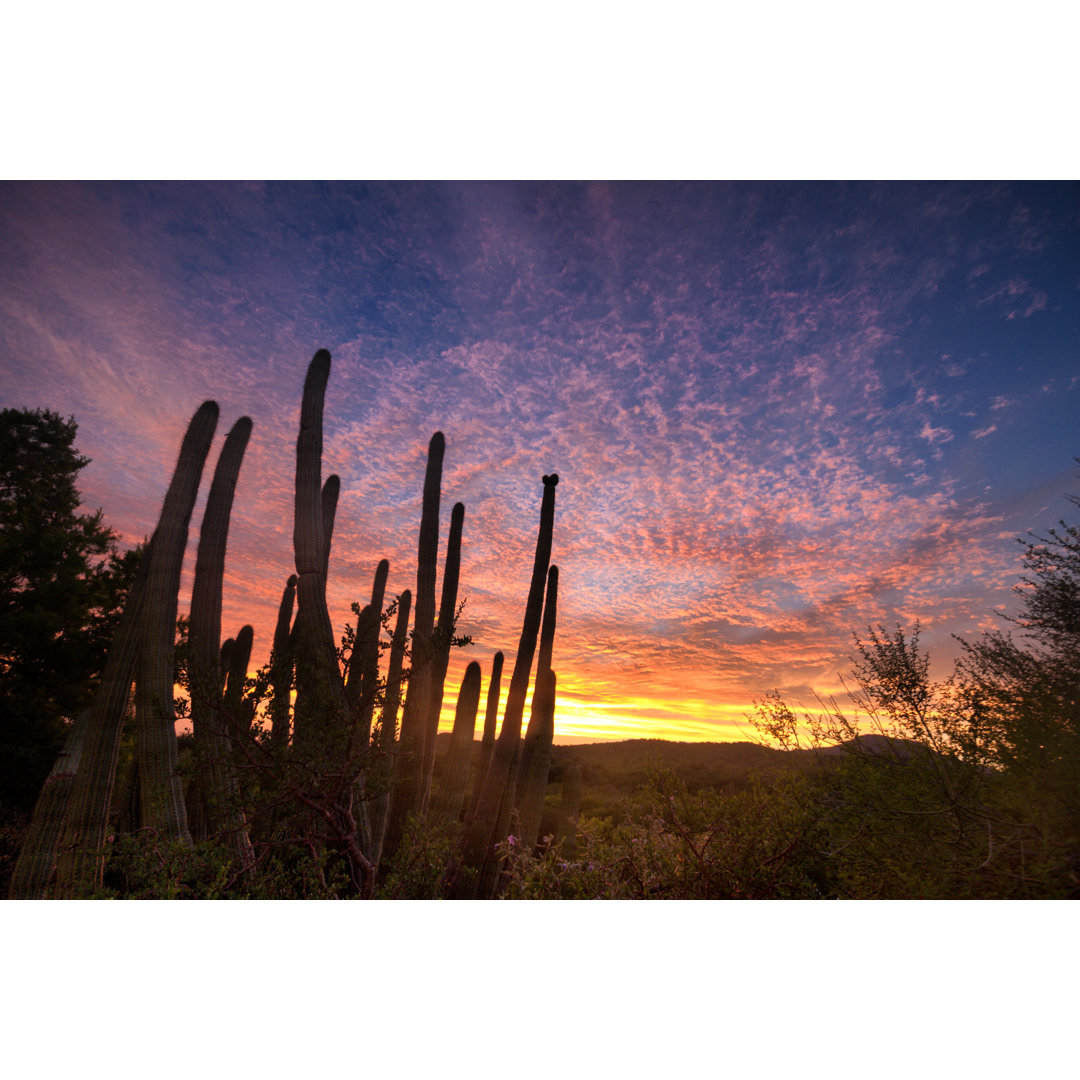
{"points": [[779, 412]]}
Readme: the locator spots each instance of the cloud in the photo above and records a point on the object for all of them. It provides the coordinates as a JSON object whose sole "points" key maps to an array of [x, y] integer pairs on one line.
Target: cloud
{"points": [[727, 379]]}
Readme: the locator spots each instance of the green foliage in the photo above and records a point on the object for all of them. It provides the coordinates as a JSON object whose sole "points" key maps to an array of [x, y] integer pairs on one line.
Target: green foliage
{"points": [[922, 789], [670, 844], [63, 582]]}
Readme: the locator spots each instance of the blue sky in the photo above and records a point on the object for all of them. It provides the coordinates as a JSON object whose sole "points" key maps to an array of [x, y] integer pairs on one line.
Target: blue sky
{"points": [[779, 412]]}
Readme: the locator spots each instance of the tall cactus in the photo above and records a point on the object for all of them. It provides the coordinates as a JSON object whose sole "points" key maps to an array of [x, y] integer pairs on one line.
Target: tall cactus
{"points": [[81, 855], [536, 751], [487, 742], [451, 792], [161, 798], [321, 711], [407, 798], [536, 760], [478, 871], [443, 636], [388, 725], [34, 867], [361, 685], [218, 789], [281, 671], [328, 500], [237, 717], [98, 731]]}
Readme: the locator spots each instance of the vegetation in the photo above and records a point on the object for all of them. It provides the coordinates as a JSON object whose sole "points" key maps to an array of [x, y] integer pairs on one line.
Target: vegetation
{"points": [[299, 781], [321, 776]]}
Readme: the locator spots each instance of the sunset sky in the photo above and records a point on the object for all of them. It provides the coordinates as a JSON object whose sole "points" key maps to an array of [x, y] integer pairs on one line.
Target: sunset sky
{"points": [[779, 412]]}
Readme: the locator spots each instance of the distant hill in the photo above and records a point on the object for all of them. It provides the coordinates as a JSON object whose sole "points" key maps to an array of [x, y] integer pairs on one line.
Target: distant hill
{"points": [[614, 771]]}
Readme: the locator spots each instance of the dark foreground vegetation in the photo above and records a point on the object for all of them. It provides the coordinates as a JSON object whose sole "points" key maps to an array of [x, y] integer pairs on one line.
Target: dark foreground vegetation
{"points": [[322, 776]]}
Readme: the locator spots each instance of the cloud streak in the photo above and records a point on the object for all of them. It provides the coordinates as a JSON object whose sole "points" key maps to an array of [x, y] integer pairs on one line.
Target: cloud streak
{"points": [[779, 412]]}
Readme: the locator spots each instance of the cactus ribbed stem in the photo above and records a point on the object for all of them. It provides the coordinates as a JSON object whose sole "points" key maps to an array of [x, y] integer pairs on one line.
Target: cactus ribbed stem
{"points": [[281, 670], [161, 798], [414, 715], [37, 858], [451, 792], [363, 680], [81, 854], [218, 788], [480, 863], [443, 635], [388, 725], [328, 501], [487, 742], [237, 718], [536, 760], [321, 712], [536, 751]]}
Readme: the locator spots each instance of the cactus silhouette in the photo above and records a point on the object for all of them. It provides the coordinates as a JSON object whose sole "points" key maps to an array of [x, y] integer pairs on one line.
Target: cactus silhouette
{"points": [[35, 864], [477, 874], [326, 767], [487, 742], [217, 790], [321, 712], [443, 634], [388, 722], [161, 797], [414, 717], [362, 683], [451, 792], [281, 670], [81, 854]]}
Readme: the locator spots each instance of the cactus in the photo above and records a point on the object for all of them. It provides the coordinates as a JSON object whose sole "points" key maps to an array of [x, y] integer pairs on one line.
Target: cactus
{"points": [[281, 671], [443, 635], [547, 630], [536, 752], [487, 742], [328, 501], [451, 793], [34, 867], [478, 871], [161, 798], [217, 791], [320, 716], [388, 723], [238, 717], [362, 683], [81, 856], [414, 717]]}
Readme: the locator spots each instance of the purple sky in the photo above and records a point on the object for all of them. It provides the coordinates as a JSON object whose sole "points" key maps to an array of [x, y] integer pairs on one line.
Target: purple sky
{"points": [[779, 411]]}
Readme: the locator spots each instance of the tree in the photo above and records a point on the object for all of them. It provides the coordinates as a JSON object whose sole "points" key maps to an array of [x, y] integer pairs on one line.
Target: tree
{"points": [[63, 581]]}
